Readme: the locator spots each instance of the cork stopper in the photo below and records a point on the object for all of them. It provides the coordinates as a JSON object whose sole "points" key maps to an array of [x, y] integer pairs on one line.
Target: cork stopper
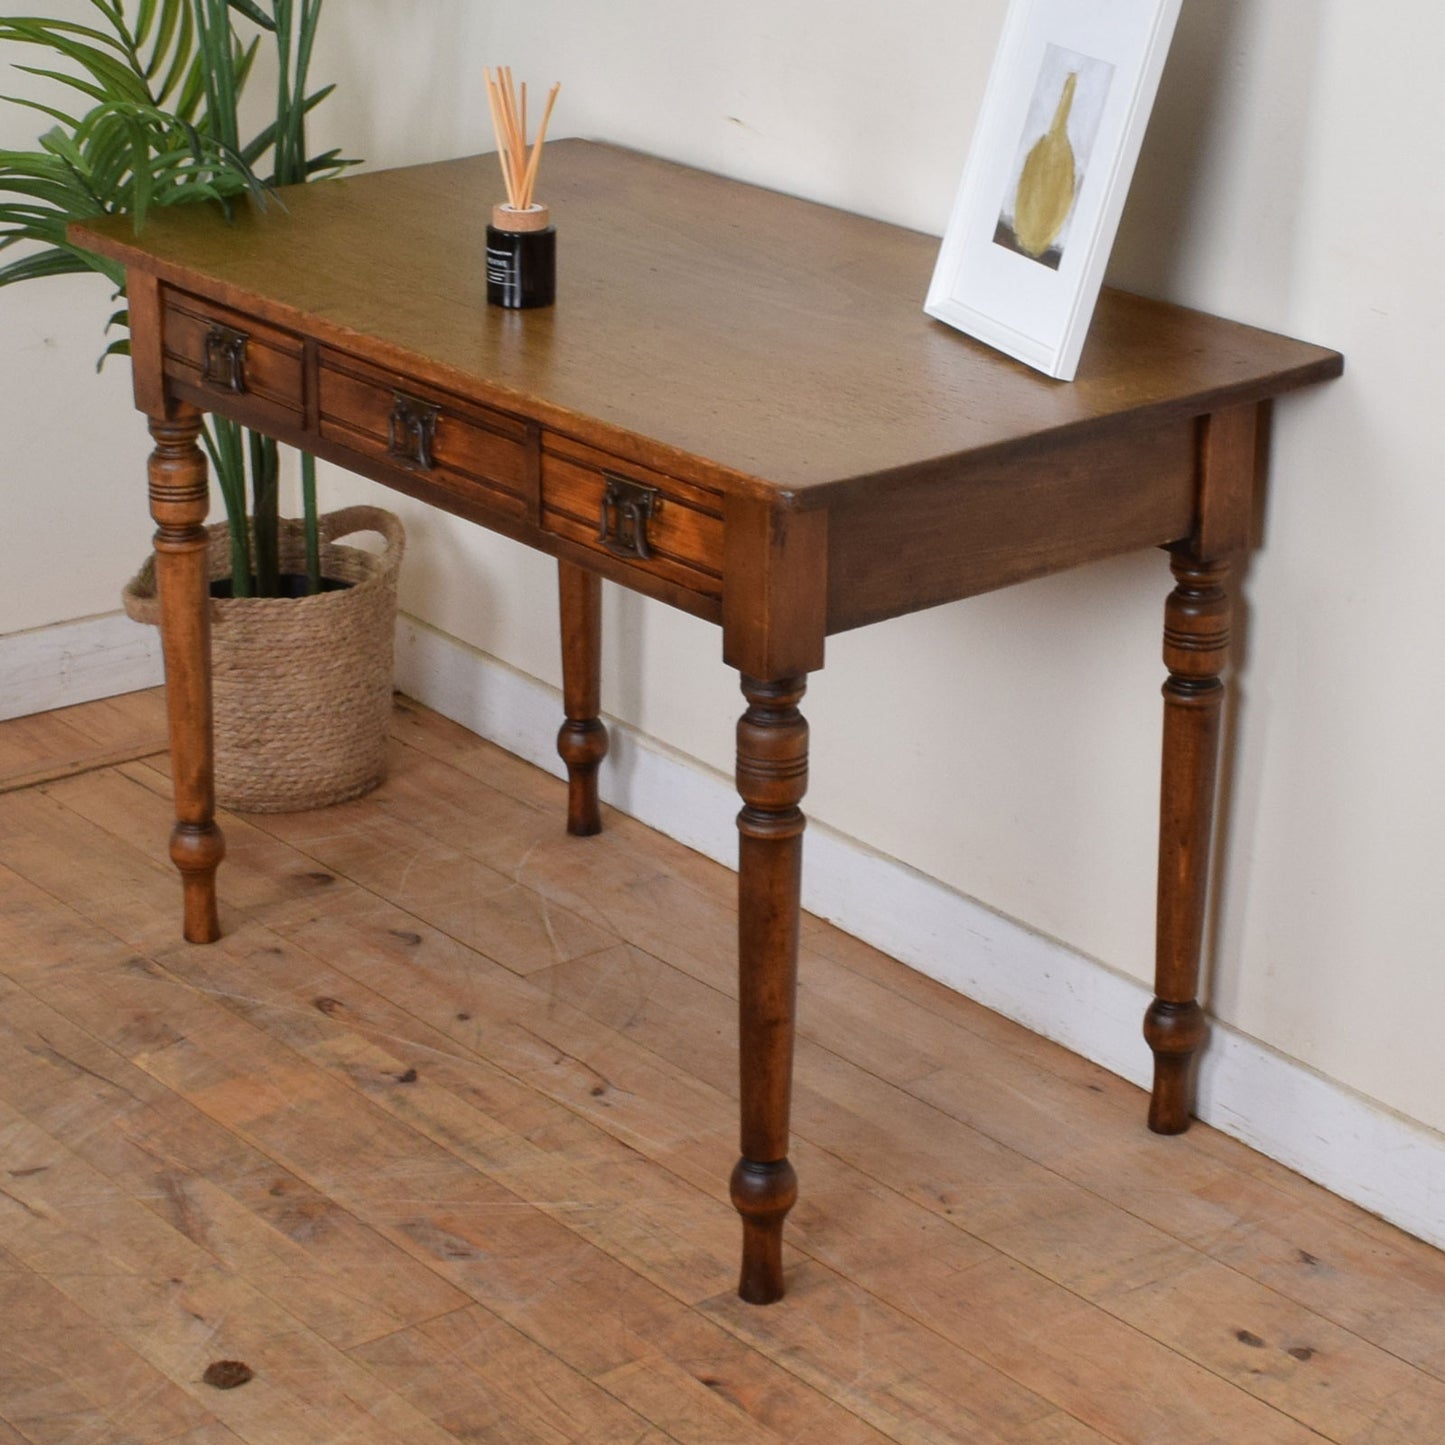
{"points": [[534, 218]]}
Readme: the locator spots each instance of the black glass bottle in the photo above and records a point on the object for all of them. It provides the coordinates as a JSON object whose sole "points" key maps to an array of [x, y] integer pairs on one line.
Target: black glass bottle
{"points": [[521, 258]]}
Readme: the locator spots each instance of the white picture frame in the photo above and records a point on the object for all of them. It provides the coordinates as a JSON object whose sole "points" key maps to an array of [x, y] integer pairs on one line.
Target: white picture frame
{"points": [[1023, 257]]}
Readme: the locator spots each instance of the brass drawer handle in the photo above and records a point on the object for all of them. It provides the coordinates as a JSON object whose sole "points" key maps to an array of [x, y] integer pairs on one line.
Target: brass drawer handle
{"points": [[225, 363], [627, 507], [411, 431]]}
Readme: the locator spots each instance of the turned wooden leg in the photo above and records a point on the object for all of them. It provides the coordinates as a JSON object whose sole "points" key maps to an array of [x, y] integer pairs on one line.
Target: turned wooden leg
{"points": [[582, 741], [178, 505], [1196, 648], [772, 775]]}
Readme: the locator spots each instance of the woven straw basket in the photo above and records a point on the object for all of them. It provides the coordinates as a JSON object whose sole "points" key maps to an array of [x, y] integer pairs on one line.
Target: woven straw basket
{"points": [[301, 686]]}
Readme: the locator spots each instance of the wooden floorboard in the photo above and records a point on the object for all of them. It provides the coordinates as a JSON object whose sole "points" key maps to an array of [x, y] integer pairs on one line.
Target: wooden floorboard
{"points": [[436, 1140], [77, 739]]}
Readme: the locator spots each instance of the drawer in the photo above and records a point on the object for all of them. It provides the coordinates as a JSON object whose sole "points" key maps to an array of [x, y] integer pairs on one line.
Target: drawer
{"points": [[466, 448], [225, 354], [655, 522]]}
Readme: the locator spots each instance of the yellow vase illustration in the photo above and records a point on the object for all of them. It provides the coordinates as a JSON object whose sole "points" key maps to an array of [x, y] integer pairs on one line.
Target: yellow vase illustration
{"points": [[1046, 185]]}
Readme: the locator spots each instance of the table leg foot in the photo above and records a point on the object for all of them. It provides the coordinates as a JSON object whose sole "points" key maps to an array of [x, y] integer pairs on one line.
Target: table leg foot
{"points": [[582, 740], [582, 744], [197, 850], [763, 1194], [1174, 1031]]}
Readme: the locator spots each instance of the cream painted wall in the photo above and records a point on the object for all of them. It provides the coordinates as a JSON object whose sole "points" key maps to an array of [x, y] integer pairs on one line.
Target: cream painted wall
{"points": [[1007, 746], [73, 459]]}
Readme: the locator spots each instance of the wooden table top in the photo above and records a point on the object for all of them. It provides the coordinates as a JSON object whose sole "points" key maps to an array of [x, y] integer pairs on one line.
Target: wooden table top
{"points": [[768, 338]]}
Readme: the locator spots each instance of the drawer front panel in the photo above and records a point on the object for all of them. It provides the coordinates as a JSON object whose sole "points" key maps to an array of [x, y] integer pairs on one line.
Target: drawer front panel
{"points": [[420, 429], [226, 354], [654, 522]]}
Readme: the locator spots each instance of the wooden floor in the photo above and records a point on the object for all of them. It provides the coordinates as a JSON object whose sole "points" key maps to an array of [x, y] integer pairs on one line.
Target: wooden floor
{"points": [[435, 1142]]}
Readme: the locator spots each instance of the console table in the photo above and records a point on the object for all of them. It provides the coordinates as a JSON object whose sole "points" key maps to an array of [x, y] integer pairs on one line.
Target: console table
{"points": [[736, 406]]}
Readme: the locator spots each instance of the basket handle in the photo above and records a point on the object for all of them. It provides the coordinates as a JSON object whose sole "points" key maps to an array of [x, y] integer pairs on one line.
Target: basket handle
{"points": [[332, 526]]}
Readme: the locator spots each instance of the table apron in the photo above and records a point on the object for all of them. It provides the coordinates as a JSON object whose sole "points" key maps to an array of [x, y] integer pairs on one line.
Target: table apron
{"points": [[940, 535]]}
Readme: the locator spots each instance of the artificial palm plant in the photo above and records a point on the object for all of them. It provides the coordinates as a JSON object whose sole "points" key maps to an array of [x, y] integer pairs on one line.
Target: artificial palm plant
{"points": [[148, 112]]}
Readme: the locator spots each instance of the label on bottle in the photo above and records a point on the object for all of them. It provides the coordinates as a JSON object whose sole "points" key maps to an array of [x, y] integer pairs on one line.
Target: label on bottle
{"points": [[502, 266]]}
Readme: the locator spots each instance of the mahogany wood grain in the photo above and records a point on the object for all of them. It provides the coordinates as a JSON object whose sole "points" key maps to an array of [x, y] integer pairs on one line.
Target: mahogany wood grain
{"points": [[576, 455], [582, 741], [147, 345], [684, 541], [178, 495], [684, 336], [1014, 515], [472, 446], [684, 534], [1196, 648], [1196, 652], [772, 776], [826, 456], [493, 508], [1228, 473], [775, 589], [270, 358]]}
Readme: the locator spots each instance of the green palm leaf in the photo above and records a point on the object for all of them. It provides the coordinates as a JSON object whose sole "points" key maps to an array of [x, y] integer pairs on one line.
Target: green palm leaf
{"points": [[161, 126], [52, 111], [55, 262], [109, 66], [95, 92]]}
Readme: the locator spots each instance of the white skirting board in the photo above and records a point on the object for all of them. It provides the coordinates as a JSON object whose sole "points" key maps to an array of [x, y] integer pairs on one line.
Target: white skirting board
{"points": [[51, 667], [1350, 1144]]}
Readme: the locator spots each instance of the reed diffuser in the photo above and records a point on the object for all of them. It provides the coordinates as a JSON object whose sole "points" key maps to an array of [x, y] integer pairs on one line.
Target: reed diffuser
{"points": [[521, 242]]}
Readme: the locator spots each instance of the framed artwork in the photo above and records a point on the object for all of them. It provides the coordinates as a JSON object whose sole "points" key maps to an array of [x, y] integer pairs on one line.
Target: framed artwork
{"points": [[1063, 118]]}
